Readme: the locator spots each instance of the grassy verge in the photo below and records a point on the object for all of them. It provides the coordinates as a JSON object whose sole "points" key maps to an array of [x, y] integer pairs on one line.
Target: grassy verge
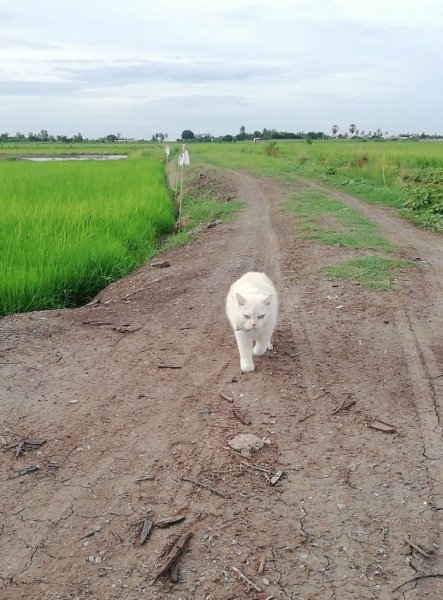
{"points": [[207, 199], [373, 272], [333, 223]]}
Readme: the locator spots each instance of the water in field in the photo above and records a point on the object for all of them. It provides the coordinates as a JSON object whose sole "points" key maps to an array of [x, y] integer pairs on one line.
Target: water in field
{"points": [[75, 157]]}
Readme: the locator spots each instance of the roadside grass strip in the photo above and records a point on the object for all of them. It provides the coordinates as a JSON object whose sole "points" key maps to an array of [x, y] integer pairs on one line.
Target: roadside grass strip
{"points": [[335, 224], [372, 272]]}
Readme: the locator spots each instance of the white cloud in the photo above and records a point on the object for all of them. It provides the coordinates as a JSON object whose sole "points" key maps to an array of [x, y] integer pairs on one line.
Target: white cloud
{"points": [[142, 61]]}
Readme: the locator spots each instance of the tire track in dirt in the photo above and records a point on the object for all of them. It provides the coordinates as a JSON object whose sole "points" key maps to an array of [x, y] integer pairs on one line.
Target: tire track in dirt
{"points": [[420, 333]]}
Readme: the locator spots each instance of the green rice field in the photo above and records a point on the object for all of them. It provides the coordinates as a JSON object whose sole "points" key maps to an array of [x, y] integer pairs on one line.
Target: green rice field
{"points": [[69, 228]]}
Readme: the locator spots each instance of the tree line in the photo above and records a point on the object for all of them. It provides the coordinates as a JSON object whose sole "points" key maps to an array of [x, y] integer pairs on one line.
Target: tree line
{"points": [[44, 136]]}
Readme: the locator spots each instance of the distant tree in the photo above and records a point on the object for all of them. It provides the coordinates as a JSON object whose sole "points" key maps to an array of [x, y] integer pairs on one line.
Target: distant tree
{"points": [[227, 138], [352, 129], [43, 136], [242, 135], [78, 137], [187, 134], [4, 137], [111, 137], [335, 130]]}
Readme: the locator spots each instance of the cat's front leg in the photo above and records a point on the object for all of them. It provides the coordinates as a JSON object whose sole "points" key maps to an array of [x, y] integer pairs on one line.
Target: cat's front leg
{"points": [[244, 343], [262, 344]]}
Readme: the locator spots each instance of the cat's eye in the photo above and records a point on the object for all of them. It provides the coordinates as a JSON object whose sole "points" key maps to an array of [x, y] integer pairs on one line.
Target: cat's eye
{"points": [[246, 316], [261, 316]]}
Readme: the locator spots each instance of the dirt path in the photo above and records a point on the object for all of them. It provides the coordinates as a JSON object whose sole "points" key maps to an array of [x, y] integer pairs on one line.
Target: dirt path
{"points": [[129, 437]]}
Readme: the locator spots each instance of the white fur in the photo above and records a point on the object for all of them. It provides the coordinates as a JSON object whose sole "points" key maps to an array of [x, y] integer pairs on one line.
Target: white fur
{"points": [[252, 307]]}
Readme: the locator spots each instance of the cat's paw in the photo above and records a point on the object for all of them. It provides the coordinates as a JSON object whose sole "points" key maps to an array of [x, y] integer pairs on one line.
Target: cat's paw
{"points": [[247, 367], [259, 350]]}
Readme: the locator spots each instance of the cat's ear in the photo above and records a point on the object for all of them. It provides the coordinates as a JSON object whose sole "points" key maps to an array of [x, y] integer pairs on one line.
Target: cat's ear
{"points": [[241, 301], [268, 299]]}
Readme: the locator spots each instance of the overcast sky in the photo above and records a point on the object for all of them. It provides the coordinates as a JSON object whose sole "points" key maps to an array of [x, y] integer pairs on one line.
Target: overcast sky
{"points": [[137, 67]]}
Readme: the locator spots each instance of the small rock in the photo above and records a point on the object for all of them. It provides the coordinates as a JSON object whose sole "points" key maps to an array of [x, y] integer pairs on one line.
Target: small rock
{"points": [[246, 443]]}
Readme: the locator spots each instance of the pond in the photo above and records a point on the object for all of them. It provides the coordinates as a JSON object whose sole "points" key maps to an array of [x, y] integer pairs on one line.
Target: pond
{"points": [[75, 157]]}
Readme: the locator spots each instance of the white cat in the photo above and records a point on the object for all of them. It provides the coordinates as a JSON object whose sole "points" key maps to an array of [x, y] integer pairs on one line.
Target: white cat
{"points": [[252, 307]]}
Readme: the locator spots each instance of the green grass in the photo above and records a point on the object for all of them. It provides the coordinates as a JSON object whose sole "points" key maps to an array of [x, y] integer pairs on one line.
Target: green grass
{"points": [[67, 229], [202, 209], [389, 173], [334, 223], [372, 272]]}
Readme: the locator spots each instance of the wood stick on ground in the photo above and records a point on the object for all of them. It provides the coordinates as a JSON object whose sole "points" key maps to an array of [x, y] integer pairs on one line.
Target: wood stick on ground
{"points": [[261, 566], [306, 418], [417, 547], [242, 416], [146, 530], [249, 464], [170, 367], [173, 553], [145, 478], [243, 577], [344, 405], [204, 485], [89, 534], [227, 398], [132, 293], [168, 521]]}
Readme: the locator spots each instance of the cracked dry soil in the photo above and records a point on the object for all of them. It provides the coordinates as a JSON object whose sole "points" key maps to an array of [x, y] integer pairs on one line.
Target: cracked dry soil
{"points": [[356, 513]]}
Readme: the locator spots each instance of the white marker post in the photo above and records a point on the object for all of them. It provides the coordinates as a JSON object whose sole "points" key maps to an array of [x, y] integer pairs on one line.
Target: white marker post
{"points": [[183, 161]]}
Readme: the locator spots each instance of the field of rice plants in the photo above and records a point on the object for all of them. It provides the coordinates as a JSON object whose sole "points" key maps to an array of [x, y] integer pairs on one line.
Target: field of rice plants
{"points": [[69, 228], [403, 174]]}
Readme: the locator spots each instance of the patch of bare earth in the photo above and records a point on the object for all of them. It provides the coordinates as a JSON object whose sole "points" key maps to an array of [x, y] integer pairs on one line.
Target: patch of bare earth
{"points": [[136, 398]]}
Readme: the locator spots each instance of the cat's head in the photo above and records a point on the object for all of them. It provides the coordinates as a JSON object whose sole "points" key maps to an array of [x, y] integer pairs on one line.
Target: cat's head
{"points": [[253, 312]]}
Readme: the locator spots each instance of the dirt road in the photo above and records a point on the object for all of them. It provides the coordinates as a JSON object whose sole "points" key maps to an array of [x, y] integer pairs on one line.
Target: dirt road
{"points": [[136, 398]]}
